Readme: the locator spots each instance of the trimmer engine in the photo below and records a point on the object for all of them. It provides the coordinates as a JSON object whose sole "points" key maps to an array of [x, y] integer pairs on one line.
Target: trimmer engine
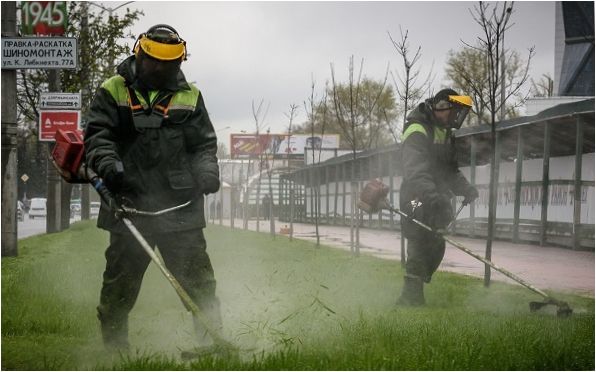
{"points": [[67, 155], [373, 196]]}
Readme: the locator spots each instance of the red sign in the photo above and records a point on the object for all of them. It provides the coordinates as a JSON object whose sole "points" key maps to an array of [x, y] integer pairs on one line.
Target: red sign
{"points": [[247, 145], [279, 145], [51, 121]]}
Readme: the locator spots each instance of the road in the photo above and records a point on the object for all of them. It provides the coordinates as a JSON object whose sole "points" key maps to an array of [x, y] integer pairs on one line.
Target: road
{"points": [[554, 268], [29, 227]]}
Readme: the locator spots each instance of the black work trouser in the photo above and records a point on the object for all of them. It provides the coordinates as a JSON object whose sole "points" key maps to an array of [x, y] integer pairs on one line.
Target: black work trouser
{"points": [[184, 254], [425, 253]]}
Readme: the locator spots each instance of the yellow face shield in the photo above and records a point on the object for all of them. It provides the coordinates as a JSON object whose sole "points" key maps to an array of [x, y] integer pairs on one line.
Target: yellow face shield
{"points": [[161, 51], [465, 101], [461, 106]]}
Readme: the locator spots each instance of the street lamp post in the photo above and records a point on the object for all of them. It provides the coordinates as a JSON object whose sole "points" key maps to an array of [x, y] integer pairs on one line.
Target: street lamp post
{"points": [[110, 12]]}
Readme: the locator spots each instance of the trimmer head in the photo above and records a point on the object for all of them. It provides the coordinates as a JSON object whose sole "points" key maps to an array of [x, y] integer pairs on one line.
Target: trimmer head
{"points": [[563, 308]]}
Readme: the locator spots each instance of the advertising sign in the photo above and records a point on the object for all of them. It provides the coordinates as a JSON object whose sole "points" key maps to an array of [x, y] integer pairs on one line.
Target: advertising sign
{"points": [[39, 52], [58, 100], [279, 145], [52, 120], [43, 18]]}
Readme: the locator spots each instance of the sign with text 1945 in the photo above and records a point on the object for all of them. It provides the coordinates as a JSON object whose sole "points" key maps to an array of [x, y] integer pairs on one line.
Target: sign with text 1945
{"points": [[43, 17]]}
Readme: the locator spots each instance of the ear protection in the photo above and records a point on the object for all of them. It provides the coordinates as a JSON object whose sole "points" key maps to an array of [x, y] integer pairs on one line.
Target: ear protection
{"points": [[164, 46]]}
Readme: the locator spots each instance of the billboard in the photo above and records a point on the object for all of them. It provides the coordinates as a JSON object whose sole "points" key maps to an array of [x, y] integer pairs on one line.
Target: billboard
{"points": [[279, 145]]}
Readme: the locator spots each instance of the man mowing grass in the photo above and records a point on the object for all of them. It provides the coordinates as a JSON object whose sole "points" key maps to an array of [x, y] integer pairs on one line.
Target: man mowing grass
{"points": [[150, 139], [431, 178]]}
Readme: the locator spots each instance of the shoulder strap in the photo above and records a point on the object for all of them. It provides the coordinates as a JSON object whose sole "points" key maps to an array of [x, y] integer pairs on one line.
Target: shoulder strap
{"points": [[137, 107]]}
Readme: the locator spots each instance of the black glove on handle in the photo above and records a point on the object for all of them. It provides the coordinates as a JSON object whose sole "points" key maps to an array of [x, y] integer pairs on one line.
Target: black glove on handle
{"points": [[440, 212], [471, 195], [114, 177]]}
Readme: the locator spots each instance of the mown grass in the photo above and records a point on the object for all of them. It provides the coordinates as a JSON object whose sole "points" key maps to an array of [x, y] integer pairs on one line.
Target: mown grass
{"points": [[288, 305]]}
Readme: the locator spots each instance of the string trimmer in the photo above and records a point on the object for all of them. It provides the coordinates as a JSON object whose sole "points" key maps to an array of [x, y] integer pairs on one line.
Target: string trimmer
{"points": [[373, 198], [67, 157]]}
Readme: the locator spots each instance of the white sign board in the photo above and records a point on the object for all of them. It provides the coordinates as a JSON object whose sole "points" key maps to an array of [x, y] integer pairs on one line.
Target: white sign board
{"points": [[59, 101], [39, 52]]}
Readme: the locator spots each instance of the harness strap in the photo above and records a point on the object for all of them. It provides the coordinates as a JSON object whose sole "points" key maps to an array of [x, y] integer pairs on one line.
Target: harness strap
{"points": [[137, 107]]}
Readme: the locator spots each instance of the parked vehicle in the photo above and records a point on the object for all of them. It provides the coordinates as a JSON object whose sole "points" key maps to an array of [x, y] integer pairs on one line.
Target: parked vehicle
{"points": [[94, 209], [37, 208], [75, 208]]}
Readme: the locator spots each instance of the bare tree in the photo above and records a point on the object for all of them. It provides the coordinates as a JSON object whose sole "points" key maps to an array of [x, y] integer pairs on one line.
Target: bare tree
{"points": [[311, 109], [351, 119], [543, 87], [259, 114], [291, 115], [409, 90], [494, 21], [269, 154], [353, 113], [465, 66]]}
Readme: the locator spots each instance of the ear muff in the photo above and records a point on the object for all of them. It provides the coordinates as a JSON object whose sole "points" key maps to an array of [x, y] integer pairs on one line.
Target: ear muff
{"points": [[159, 47]]}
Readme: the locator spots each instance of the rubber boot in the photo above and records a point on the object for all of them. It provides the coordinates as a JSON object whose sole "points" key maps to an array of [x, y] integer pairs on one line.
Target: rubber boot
{"points": [[412, 293], [114, 332]]}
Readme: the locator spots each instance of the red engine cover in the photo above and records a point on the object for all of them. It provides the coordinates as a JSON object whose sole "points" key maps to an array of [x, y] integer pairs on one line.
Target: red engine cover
{"points": [[68, 150]]}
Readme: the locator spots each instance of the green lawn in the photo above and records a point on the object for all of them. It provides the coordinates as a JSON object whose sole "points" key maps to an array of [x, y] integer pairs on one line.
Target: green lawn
{"points": [[288, 305]]}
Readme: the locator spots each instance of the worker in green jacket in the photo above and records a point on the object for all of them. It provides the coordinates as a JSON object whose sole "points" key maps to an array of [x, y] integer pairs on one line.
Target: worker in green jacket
{"points": [[150, 139], [430, 179]]}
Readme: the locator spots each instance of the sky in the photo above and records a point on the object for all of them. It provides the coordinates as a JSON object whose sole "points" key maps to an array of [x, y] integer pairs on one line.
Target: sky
{"points": [[245, 52]]}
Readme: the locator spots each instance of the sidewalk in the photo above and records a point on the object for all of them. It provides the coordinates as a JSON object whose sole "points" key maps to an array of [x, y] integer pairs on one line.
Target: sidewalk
{"points": [[544, 267]]}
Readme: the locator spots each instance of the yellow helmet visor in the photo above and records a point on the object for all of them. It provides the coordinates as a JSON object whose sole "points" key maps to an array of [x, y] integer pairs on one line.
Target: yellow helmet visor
{"points": [[465, 101], [161, 51], [461, 106]]}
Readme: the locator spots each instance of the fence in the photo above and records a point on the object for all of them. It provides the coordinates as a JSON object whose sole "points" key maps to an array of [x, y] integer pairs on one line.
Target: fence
{"points": [[548, 197]]}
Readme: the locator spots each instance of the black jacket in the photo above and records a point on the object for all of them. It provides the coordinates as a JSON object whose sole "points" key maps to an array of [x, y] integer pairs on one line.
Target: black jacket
{"points": [[429, 164], [168, 157]]}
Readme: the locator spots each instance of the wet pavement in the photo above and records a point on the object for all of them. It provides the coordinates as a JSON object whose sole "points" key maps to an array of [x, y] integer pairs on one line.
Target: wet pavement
{"points": [[554, 268]]}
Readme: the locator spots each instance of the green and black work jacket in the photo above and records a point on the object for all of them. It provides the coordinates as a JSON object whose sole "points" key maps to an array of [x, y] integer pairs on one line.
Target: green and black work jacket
{"points": [[429, 164], [166, 143]]}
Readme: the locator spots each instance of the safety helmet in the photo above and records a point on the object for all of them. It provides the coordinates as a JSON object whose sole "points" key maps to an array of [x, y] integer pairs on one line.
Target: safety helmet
{"points": [[161, 42], [460, 106]]}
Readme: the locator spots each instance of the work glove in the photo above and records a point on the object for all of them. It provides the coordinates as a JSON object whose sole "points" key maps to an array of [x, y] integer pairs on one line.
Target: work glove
{"points": [[114, 178], [471, 195], [440, 213], [209, 181]]}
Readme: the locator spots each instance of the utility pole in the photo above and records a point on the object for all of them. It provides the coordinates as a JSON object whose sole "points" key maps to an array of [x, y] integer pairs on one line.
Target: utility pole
{"points": [[85, 197], [9, 140], [503, 112], [54, 193]]}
